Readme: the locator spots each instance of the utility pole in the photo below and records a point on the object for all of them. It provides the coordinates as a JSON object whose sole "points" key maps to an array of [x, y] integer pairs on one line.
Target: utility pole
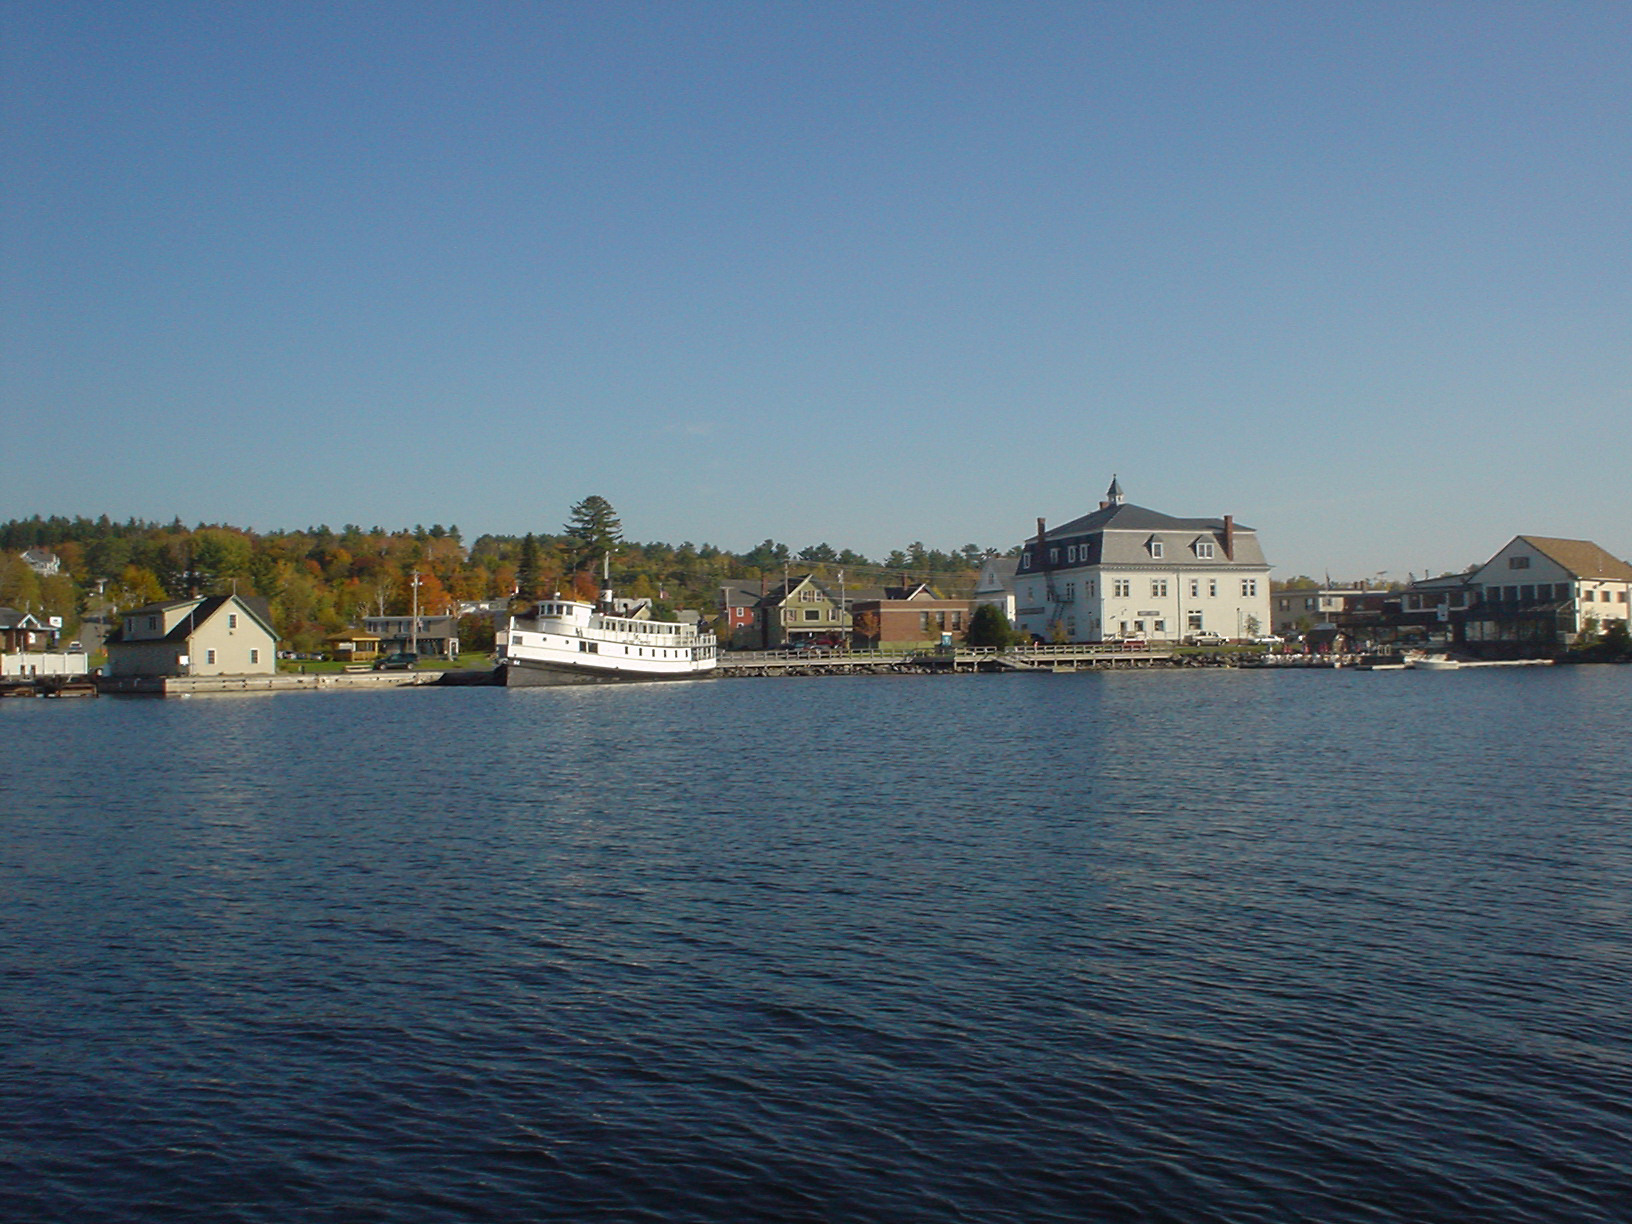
{"points": [[844, 618], [413, 621]]}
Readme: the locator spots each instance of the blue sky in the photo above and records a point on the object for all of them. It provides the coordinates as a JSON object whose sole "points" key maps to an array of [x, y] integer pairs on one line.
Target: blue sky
{"points": [[856, 273]]}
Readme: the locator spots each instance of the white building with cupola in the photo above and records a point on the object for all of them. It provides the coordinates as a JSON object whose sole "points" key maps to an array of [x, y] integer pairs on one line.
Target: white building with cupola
{"points": [[1124, 572]]}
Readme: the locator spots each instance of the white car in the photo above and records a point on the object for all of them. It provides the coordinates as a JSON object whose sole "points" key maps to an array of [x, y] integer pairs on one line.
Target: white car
{"points": [[1268, 639]]}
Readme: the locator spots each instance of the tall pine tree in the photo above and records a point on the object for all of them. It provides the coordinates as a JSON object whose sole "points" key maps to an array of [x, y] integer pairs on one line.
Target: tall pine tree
{"points": [[527, 568], [593, 532]]}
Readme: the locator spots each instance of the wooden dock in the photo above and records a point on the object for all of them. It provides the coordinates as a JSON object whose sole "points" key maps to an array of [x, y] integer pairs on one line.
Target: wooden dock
{"points": [[838, 661]]}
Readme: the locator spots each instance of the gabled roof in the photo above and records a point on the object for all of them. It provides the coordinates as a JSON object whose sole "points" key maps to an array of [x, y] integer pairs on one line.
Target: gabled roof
{"points": [[735, 595], [11, 618], [163, 605], [782, 590], [1001, 568], [202, 610], [1582, 558]]}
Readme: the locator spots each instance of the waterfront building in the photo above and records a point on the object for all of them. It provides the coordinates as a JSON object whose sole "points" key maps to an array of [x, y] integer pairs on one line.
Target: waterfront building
{"points": [[909, 617], [1546, 590], [425, 635], [1124, 572], [214, 635], [23, 631], [801, 610], [738, 623], [995, 586]]}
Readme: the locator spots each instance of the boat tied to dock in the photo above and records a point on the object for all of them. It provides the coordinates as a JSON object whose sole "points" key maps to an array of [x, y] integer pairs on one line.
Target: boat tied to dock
{"points": [[569, 641]]}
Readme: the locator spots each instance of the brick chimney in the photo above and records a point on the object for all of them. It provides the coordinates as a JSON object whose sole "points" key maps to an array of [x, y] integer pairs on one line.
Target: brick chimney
{"points": [[1229, 536]]}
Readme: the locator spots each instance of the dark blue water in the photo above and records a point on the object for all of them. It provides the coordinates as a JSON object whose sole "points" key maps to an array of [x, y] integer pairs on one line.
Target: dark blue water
{"points": [[1165, 947]]}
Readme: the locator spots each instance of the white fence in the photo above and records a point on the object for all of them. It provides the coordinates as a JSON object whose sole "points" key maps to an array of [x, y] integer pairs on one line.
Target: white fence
{"points": [[45, 663]]}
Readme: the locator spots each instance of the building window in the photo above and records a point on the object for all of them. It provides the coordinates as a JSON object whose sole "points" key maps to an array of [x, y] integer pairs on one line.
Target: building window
{"points": [[1158, 626], [1204, 551], [1089, 590], [209, 656], [813, 614], [1025, 559], [152, 622], [232, 620], [1212, 587], [1138, 626], [1249, 586], [1121, 588], [254, 656], [1194, 620], [1071, 553], [1053, 556], [1156, 549], [1518, 563], [1158, 588]]}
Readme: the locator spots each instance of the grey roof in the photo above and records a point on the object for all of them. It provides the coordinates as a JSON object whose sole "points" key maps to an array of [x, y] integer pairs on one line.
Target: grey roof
{"points": [[1127, 517], [1120, 534], [735, 595], [205, 608]]}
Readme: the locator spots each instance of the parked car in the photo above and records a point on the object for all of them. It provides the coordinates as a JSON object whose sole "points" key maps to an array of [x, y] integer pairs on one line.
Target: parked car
{"points": [[1204, 639], [1268, 639], [403, 660]]}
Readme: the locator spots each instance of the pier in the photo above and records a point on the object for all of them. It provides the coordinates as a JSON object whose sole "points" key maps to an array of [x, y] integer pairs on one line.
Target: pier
{"points": [[839, 661]]}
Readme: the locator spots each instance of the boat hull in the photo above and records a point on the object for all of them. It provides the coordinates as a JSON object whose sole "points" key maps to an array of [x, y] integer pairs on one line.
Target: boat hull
{"points": [[524, 673]]}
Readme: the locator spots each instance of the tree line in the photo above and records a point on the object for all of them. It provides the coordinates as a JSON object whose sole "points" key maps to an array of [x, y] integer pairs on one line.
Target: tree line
{"points": [[321, 580]]}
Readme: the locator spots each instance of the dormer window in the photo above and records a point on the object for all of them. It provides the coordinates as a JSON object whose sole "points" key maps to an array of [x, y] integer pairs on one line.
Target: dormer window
{"points": [[1053, 556], [1204, 549], [1156, 549]]}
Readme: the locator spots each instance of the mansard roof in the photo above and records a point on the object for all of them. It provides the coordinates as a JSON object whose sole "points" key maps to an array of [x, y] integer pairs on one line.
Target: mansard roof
{"points": [[1127, 517]]}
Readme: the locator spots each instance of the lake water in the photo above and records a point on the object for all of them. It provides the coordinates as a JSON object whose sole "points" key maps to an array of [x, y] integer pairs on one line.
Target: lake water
{"points": [[1190, 947]]}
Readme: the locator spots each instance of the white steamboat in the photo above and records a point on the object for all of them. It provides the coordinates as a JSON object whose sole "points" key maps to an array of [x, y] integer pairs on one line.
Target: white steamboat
{"points": [[567, 641]]}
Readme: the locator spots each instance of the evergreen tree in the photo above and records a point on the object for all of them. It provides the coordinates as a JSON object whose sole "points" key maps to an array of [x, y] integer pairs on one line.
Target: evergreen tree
{"points": [[527, 568], [593, 531], [989, 627]]}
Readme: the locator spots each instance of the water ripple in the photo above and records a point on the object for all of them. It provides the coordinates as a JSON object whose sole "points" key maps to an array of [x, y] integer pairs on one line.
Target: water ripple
{"points": [[1236, 948]]}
